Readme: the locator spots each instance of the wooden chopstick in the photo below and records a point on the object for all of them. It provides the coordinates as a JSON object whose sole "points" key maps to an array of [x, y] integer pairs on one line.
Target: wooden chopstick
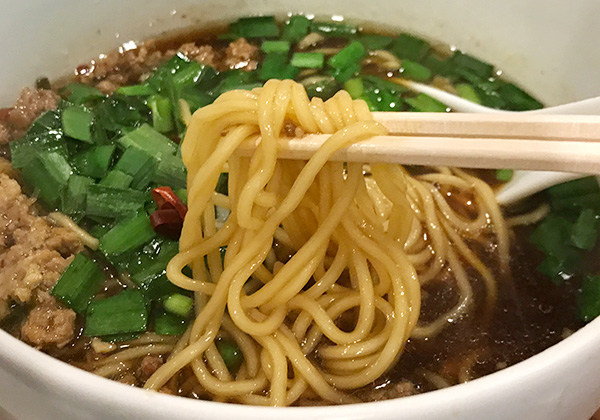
{"points": [[504, 125], [561, 143]]}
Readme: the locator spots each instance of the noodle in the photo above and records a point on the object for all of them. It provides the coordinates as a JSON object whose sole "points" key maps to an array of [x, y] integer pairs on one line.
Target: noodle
{"points": [[336, 315]]}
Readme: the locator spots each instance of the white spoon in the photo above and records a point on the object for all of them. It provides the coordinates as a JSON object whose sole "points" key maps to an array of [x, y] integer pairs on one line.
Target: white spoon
{"points": [[523, 183]]}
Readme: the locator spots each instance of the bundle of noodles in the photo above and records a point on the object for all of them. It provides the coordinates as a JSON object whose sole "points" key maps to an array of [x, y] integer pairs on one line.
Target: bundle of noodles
{"points": [[318, 285]]}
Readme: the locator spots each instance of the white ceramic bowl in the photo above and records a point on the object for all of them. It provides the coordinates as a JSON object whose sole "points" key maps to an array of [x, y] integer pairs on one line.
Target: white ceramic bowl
{"points": [[549, 46]]}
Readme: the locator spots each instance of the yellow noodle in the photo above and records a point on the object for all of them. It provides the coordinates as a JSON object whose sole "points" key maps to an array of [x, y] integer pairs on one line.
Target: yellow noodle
{"points": [[353, 240]]}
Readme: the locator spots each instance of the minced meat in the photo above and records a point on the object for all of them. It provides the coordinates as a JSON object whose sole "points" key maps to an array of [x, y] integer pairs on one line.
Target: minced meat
{"points": [[120, 68], [5, 136], [48, 323], [204, 54], [32, 103], [33, 254], [148, 366], [241, 55]]}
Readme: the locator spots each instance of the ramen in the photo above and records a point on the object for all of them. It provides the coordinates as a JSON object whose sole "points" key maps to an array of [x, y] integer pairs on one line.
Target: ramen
{"points": [[161, 259]]}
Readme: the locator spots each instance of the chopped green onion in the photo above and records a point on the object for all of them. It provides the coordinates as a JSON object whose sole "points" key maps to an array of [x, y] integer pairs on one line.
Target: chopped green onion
{"points": [[23, 150], [346, 73], [76, 123], [375, 42], [409, 47], [576, 188], [255, 27], [571, 205], [504, 175], [100, 229], [348, 56], [223, 184], [425, 103], [182, 193], [589, 298], [171, 172], [169, 324], [552, 235], [195, 98], [115, 115], [162, 120], [585, 230], [323, 87], [79, 93], [95, 161], [308, 60], [438, 65], [73, 198], [159, 287], [354, 87], [78, 283], [116, 179], [562, 267], [517, 99], [48, 122], [112, 202], [139, 164], [281, 47], [490, 99], [127, 235], [231, 354], [469, 63], [381, 99], [165, 73], [136, 90], [149, 261], [149, 140], [191, 73], [48, 174], [178, 304], [383, 84], [44, 135], [237, 79], [334, 28], [275, 66], [296, 29], [126, 312], [467, 92], [415, 71]]}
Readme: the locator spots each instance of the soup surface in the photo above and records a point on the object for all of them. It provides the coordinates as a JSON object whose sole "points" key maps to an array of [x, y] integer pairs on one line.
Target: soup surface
{"points": [[99, 152]]}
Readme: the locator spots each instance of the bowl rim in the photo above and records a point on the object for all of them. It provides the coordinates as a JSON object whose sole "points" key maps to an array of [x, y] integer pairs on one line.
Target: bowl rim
{"points": [[90, 389]]}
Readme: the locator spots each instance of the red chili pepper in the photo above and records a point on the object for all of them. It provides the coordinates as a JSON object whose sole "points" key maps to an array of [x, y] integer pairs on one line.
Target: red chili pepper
{"points": [[165, 198], [167, 222]]}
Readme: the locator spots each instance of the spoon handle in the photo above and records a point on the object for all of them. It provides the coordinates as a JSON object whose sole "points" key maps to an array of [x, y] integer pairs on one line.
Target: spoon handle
{"points": [[526, 183]]}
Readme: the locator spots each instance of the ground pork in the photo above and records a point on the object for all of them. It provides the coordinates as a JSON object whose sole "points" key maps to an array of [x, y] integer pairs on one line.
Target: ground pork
{"points": [[48, 323], [119, 68], [241, 55], [148, 366], [33, 253], [31, 104], [5, 135], [204, 54]]}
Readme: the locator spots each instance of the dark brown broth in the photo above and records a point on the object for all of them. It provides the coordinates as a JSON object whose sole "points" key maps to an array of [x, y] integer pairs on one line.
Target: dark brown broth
{"points": [[531, 315]]}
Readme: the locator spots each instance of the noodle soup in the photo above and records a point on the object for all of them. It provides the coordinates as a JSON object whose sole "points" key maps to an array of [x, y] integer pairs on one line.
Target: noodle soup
{"points": [[114, 169]]}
